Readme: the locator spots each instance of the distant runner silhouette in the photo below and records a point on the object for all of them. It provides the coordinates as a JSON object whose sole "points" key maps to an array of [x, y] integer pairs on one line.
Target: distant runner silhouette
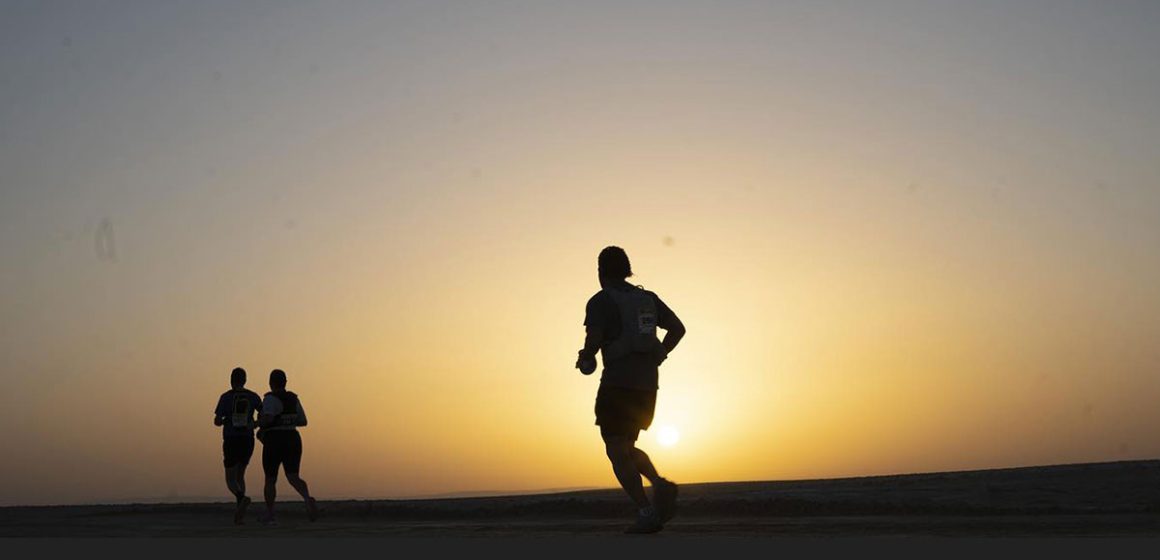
{"points": [[235, 414], [621, 322], [282, 414]]}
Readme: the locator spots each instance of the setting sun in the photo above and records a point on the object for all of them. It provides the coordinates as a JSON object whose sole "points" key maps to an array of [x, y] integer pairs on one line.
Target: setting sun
{"points": [[898, 244]]}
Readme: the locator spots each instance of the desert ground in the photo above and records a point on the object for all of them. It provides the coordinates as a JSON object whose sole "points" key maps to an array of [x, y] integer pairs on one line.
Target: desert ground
{"points": [[1099, 499]]}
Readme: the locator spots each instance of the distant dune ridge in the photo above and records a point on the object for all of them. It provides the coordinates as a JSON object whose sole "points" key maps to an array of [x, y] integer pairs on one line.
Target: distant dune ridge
{"points": [[1098, 498]]}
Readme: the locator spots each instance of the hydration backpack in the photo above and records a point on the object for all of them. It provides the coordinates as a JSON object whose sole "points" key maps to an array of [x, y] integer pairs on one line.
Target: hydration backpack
{"points": [[289, 414], [638, 324], [243, 411]]}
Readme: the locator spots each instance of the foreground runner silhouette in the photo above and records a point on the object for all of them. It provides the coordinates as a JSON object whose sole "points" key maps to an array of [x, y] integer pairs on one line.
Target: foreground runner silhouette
{"points": [[281, 416], [235, 414], [621, 322]]}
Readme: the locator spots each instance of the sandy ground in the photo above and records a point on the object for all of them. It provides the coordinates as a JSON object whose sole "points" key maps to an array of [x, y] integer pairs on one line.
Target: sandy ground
{"points": [[1104, 499]]}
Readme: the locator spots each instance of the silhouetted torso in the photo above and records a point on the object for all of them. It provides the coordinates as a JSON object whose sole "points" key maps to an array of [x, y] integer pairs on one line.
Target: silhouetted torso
{"points": [[635, 371], [239, 407], [286, 409]]}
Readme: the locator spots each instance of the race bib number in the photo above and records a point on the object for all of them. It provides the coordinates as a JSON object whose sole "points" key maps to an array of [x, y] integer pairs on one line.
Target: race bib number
{"points": [[241, 416], [647, 322]]}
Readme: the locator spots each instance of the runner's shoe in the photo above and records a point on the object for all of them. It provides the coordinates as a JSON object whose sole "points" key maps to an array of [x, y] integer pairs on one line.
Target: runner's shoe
{"points": [[665, 495], [240, 512], [312, 509], [267, 520], [645, 524]]}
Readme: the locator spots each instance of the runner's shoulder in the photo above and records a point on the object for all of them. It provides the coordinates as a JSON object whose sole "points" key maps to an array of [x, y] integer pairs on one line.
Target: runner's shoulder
{"points": [[598, 302], [597, 298], [650, 293]]}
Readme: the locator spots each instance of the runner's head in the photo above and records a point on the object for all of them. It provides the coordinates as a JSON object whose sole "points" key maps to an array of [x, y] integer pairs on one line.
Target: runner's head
{"points": [[278, 380], [238, 378], [612, 264]]}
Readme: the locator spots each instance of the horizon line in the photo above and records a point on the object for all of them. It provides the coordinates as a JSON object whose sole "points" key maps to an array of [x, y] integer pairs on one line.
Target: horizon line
{"points": [[180, 500]]}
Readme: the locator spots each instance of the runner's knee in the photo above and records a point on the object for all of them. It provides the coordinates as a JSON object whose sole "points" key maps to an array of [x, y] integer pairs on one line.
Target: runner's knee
{"points": [[617, 450]]}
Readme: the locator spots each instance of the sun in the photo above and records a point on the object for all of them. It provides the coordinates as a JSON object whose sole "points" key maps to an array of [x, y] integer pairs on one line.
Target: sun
{"points": [[668, 436]]}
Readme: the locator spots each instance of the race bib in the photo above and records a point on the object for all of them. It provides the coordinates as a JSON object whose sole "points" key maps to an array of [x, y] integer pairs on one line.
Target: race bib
{"points": [[647, 322], [241, 416]]}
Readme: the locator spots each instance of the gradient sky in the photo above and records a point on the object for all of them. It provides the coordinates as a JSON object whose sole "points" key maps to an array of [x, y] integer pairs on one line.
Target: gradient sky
{"points": [[904, 236]]}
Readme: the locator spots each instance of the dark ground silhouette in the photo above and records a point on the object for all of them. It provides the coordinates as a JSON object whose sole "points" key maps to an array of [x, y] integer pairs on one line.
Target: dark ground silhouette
{"points": [[1099, 499]]}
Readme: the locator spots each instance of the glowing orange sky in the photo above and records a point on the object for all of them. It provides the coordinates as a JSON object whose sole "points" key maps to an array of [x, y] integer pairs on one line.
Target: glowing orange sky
{"points": [[898, 245]]}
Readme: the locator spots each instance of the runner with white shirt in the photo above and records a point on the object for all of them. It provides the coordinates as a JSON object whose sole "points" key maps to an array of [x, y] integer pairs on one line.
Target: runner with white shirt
{"points": [[282, 414]]}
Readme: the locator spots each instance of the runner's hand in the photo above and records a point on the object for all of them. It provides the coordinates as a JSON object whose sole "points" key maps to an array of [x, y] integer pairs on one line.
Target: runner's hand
{"points": [[661, 355]]}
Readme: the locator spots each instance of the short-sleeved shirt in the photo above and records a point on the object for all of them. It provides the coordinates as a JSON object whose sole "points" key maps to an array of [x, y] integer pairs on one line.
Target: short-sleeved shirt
{"points": [[239, 402], [272, 405], [635, 371]]}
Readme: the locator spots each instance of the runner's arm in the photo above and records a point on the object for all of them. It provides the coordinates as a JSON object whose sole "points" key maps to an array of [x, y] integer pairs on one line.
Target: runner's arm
{"points": [[219, 416], [301, 415], [266, 418], [592, 339], [674, 329]]}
